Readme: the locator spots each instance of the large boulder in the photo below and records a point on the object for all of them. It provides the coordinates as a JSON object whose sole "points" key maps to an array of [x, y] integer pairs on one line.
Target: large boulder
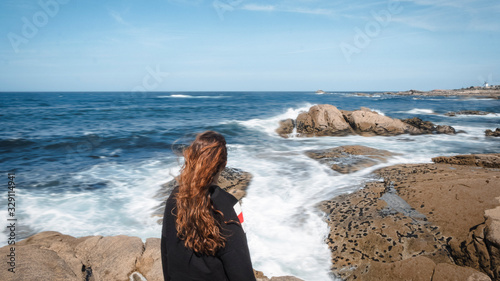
{"points": [[350, 158], [232, 180], [54, 256], [327, 120], [372, 123], [322, 120]]}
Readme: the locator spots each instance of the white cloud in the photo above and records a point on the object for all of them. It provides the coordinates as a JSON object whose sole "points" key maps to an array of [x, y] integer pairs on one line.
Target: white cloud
{"points": [[255, 7], [275, 8], [117, 17]]}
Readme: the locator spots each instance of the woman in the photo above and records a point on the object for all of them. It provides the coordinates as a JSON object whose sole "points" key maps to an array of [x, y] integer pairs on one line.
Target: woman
{"points": [[202, 236]]}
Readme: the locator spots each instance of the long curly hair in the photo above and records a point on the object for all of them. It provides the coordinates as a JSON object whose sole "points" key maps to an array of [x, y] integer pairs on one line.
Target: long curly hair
{"points": [[195, 223]]}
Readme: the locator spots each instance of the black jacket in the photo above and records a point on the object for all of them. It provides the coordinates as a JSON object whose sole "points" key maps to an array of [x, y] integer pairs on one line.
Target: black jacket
{"points": [[231, 263]]}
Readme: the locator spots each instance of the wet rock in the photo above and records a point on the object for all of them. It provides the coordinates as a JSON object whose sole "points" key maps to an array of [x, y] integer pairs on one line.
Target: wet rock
{"points": [[478, 160], [425, 127], [445, 129], [490, 133], [286, 127], [466, 112], [350, 158]]}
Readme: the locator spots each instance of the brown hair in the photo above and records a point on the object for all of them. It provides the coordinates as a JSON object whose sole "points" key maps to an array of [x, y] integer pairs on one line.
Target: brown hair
{"points": [[204, 159]]}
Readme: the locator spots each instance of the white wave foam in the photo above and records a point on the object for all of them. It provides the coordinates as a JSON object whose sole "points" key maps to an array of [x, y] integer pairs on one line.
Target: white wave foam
{"points": [[285, 229], [422, 111], [269, 125], [123, 206], [378, 111], [192, 97]]}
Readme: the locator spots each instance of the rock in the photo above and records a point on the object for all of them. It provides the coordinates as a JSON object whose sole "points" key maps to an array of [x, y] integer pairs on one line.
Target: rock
{"points": [[286, 127], [425, 127], [467, 112], [110, 257], [149, 263], [490, 133], [445, 129], [232, 180], [366, 231], [472, 92], [371, 123], [450, 272], [478, 160], [322, 120], [416, 269], [327, 120], [350, 158], [54, 256], [445, 213]]}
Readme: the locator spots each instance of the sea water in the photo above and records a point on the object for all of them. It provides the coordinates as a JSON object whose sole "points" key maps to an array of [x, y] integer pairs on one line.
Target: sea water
{"points": [[91, 163]]}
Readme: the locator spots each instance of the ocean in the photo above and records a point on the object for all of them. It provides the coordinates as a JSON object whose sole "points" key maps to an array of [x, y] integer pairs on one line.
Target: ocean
{"points": [[91, 163]]}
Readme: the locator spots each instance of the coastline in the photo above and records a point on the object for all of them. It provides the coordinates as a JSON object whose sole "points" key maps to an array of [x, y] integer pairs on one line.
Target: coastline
{"points": [[413, 224], [472, 92]]}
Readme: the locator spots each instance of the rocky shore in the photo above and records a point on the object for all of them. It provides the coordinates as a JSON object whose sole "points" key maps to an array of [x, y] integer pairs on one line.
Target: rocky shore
{"points": [[328, 120], [473, 92], [436, 221]]}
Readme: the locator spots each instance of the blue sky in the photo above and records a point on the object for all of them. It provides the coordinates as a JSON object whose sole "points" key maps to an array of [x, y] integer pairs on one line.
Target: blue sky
{"points": [[245, 45]]}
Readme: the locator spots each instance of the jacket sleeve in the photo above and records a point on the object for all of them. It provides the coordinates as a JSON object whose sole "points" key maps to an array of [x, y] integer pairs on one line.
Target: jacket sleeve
{"points": [[236, 256]]}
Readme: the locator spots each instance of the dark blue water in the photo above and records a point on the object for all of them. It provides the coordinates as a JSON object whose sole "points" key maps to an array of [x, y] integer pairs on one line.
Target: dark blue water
{"points": [[98, 158]]}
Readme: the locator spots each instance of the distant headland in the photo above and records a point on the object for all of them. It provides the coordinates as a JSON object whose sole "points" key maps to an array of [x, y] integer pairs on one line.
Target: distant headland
{"points": [[487, 91]]}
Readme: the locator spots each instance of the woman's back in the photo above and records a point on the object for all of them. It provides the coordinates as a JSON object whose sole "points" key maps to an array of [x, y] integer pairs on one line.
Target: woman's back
{"points": [[230, 263], [202, 236]]}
